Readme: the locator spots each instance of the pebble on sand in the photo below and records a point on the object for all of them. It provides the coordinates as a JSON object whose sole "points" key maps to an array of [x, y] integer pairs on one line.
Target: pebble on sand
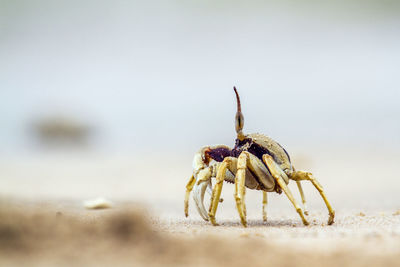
{"points": [[98, 203]]}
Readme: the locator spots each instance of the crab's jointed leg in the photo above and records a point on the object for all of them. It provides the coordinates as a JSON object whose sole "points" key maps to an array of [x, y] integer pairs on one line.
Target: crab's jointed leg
{"points": [[301, 175], [303, 199], [264, 206], [277, 173], [189, 188], [247, 161], [229, 163], [240, 190]]}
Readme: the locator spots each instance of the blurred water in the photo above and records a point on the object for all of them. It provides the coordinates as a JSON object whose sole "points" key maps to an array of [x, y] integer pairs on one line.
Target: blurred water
{"points": [[159, 74]]}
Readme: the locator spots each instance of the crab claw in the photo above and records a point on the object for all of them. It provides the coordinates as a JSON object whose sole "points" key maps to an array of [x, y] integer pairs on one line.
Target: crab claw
{"points": [[198, 196]]}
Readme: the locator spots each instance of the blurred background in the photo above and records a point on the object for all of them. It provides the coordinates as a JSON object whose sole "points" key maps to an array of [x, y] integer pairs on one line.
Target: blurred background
{"points": [[113, 98]]}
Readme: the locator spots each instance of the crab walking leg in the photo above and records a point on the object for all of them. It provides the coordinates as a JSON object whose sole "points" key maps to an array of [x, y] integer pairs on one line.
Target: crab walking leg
{"points": [[189, 188], [303, 199], [240, 189], [264, 206], [203, 178], [277, 173], [227, 164], [301, 175], [209, 190]]}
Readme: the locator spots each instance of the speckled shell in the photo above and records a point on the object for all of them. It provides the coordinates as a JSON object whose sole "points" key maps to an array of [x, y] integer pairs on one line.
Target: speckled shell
{"points": [[277, 151]]}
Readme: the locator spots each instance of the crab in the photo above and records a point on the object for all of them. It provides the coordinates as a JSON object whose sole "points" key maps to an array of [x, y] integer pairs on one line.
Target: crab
{"points": [[255, 162]]}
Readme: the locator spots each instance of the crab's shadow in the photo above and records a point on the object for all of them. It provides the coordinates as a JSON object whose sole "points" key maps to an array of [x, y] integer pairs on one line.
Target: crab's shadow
{"points": [[253, 223], [261, 223]]}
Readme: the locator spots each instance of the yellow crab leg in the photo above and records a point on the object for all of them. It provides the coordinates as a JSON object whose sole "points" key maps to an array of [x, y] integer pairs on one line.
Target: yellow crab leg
{"points": [[303, 199], [277, 173], [189, 188], [264, 206], [301, 175], [240, 190], [227, 163]]}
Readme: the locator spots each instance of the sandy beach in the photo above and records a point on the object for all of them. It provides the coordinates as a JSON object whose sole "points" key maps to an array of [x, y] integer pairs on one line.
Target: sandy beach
{"points": [[44, 221]]}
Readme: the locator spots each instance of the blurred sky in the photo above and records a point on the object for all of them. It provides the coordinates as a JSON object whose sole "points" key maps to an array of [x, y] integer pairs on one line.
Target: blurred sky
{"points": [[151, 75]]}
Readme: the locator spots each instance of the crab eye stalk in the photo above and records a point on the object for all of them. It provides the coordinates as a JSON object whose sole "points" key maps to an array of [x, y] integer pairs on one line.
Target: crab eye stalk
{"points": [[239, 120]]}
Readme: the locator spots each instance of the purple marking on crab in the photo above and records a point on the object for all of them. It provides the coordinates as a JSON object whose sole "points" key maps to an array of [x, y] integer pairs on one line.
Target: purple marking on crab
{"points": [[253, 148], [218, 154]]}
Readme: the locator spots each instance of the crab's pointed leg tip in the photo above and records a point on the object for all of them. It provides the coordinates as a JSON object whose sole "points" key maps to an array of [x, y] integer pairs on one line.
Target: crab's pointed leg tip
{"points": [[331, 219], [305, 222], [212, 220]]}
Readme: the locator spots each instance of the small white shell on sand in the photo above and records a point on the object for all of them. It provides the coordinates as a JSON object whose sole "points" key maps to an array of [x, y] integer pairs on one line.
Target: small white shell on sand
{"points": [[98, 203]]}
